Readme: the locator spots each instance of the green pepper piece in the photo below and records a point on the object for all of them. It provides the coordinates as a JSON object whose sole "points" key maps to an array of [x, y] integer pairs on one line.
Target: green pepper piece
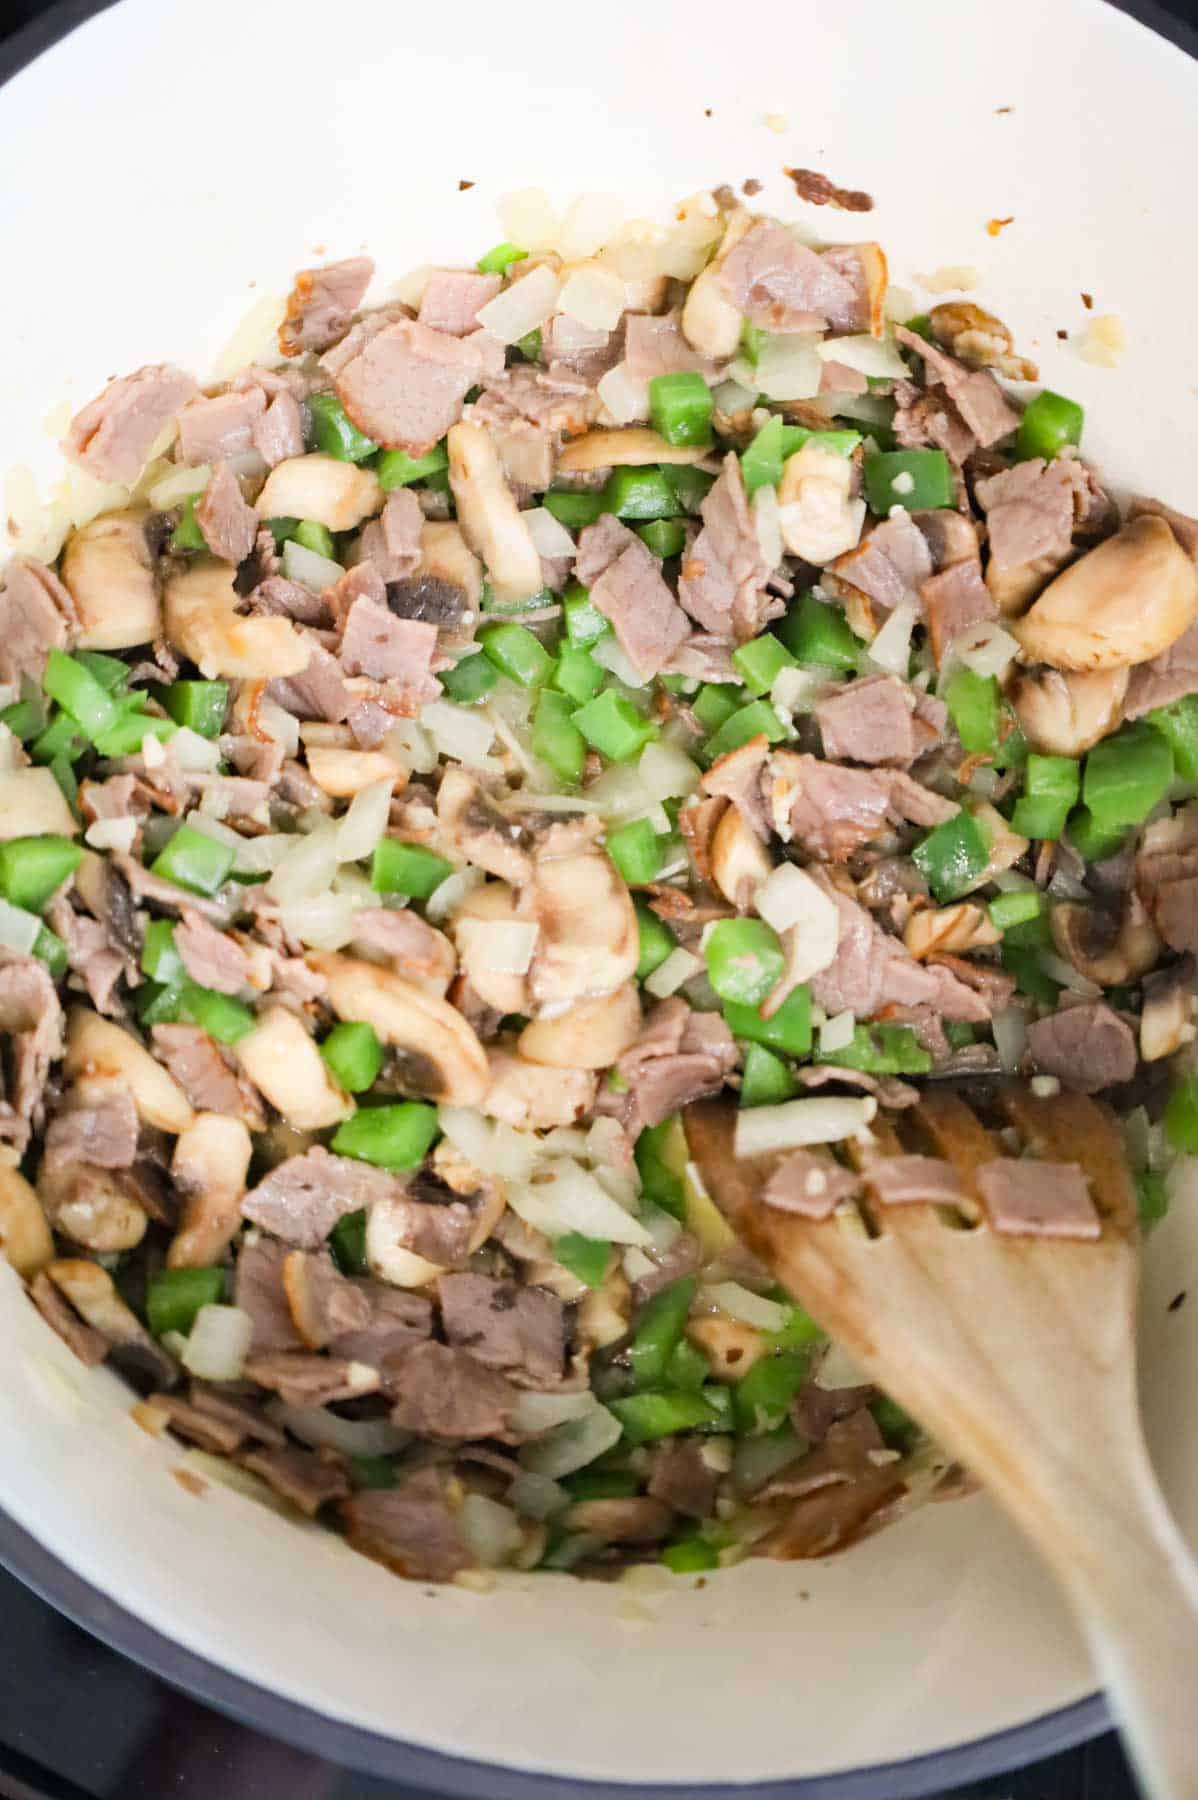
{"points": [[585, 624], [914, 479], [640, 493], [195, 861], [1030, 977], [79, 694], [1093, 839], [973, 703], [760, 661], [1152, 1197], [680, 407], [788, 1030], [334, 432], [220, 1015], [690, 1556], [656, 941], [347, 1242], [1179, 725], [60, 739], [715, 703], [411, 869], [187, 534], [647, 1417], [396, 469], [34, 868], [1127, 775], [659, 1330], [201, 706], [688, 1369], [1020, 907], [574, 510], [500, 258], [315, 537], [391, 1137], [745, 959], [353, 1055], [516, 653], [601, 1484], [690, 486], [612, 725], [111, 673], [175, 1296], [1049, 423], [661, 1155], [762, 1399], [636, 850], [585, 1257], [665, 537], [130, 730], [555, 739], [470, 680], [897, 1426], [49, 948], [818, 633], [1051, 785], [952, 856], [160, 960], [577, 674], [741, 727], [766, 1079]]}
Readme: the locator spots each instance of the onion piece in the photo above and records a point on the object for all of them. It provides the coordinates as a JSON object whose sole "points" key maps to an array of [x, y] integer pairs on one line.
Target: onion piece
{"points": [[742, 1303], [504, 945], [836, 1033], [564, 1197], [594, 296], [322, 1429], [731, 397], [365, 822], [789, 367], [799, 690], [1010, 1036], [309, 568], [410, 287], [308, 867], [625, 395], [537, 1496], [446, 899], [193, 752], [868, 355], [112, 834], [610, 655], [588, 223], [837, 1370], [18, 929], [534, 1414], [460, 732], [768, 525], [573, 1445], [672, 974], [1059, 970], [891, 649], [667, 773], [255, 339], [525, 306], [529, 220], [986, 649], [490, 1529], [218, 1343], [322, 921], [548, 534], [761, 1130], [180, 485]]}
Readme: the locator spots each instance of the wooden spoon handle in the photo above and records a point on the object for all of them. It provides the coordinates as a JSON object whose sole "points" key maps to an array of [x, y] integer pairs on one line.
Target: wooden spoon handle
{"points": [[1136, 1593]]}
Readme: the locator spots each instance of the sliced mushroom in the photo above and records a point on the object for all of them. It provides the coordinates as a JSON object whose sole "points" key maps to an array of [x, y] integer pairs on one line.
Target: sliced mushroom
{"points": [[203, 622], [475, 828], [740, 861], [109, 569], [1064, 715], [1123, 602], [32, 803], [591, 1035], [588, 944], [639, 1519], [625, 446], [818, 515], [285, 1065], [603, 1313], [979, 340], [1105, 950], [343, 773], [26, 1241], [937, 928], [438, 1056], [730, 1346], [1006, 846], [336, 494], [101, 1053], [1167, 1019], [494, 902], [485, 1194], [711, 323], [490, 519], [90, 1207], [90, 1290], [209, 1168], [533, 1097], [387, 1227], [446, 556]]}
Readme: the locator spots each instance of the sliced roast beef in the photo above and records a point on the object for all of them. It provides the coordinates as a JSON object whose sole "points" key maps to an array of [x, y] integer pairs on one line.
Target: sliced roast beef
{"points": [[409, 1528], [113, 435], [521, 1330], [302, 1199], [322, 303], [570, 348], [889, 564], [36, 612], [872, 969], [547, 400], [236, 1409], [376, 643], [1028, 1198], [210, 1083], [397, 1318], [405, 387], [91, 955], [811, 1184], [318, 693], [30, 1041], [782, 285], [452, 297], [304, 1477], [599, 546], [954, 601], [212, 429], [1087, 1047], [683, 1256], [679, 1056], [391, 543], [421, 953], [442, 1392], [914, 1180], [1168, 677], [929, 419], [259, 1291], [301, 1379], [324, 1304], [831, 811], [654, 345], [682, 1477], [1030, 512], [210, 957], [278, 433], [219, 1436], [870, 721], [974, 392], [649, 623], [102, 1132], [723, 578]]}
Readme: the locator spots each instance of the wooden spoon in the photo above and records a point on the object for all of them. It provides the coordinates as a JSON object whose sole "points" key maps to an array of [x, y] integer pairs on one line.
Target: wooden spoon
{"points": [[1018, 1354]]}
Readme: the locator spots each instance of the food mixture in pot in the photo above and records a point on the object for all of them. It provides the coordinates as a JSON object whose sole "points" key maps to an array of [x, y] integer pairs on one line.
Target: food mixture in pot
{"points": [[646, 662]]}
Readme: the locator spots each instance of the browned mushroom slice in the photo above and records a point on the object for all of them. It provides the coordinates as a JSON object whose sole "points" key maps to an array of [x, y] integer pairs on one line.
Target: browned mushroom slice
{"points": [[636, 1520], [90, 1290]]}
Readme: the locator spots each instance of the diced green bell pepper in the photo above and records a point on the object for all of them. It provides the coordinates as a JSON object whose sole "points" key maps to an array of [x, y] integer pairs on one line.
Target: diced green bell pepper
{"points": [[788, 1030], [1179, 724], [745, 959], [575, 510], [585, 624], [914, 479], [716, 702], [555, 738], [641, 493], [516, 653], [656, 940], [818, 633], [690, 1556], [973, 704], [1049, 423], [175, 1296], [740, 727], [396, 469], [1051, 785], [34, 868], [201, 706], [952, 856], [353, 1055], [470, 680], [760, 661], [195, 861], [586, 1258], [411, 869], [335, 433], [680, 407], [577, 675], [612, 725], [636, 850], [79, 694], [765, 1079], [762, 1399], [391, 1137], [1127, 775], [665, 537], [347, 1242], [500, 258]]}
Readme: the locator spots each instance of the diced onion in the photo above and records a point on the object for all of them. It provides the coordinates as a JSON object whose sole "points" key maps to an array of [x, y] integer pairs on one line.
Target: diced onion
{"points": [[677, 969], [112, 834], [513, 1153], [504, 945], [468, 1132], [589, 222], [409, 744], [624, 394], [986, 649], [445, 900], [1059, 970], [836, 1033], [768, 525], [838, 1370], [619, 792], [788, 367], [255, 339], [365, 822], [891, 649], [529, 220], [741, 1303], [760, 1130], [179, 485], [548, 534], [573, 1445], [1010, 1036], [274, 722], [309, 568], [536, 1413], [308, 868], [18, 929], [460, 732], [564, 1197], [866, 354], [193, 752], [410, 287], [219, 1343], [523, 307], [610, 655], [798, 690], [730, 397], [788, 895], [322, 1429], [262, 855], [537, 1496], [490, 1529], [322, 921], [666, 772], [593, 296]]}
